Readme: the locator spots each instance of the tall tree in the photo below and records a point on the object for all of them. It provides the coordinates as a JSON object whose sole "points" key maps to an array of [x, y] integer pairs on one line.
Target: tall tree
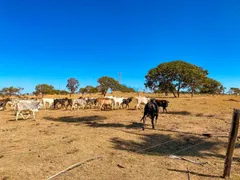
{"points": [[72, 85], [174, 76], [10, 91], [107, 83], [44, 89]]}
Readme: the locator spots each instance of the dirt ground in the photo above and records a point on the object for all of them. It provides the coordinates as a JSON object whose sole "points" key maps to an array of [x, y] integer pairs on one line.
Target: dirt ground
{"points": [[60, 138]]}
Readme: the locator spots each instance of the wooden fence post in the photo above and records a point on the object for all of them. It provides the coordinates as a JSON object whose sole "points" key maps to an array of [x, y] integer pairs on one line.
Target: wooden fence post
{"points": [[231, 143]]}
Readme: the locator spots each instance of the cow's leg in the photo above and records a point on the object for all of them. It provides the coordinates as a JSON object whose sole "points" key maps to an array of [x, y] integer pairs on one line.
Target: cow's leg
{"points": [[17, 114], [144, 120], [152, 119], [33, 113], [137, 106]]}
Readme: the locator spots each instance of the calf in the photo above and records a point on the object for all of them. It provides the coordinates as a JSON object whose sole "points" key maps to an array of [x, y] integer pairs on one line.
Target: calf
{"points": [[126, 102], [150, 110], [163, 104]]}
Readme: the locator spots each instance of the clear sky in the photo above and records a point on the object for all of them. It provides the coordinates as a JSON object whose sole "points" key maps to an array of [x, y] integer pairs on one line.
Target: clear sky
{"points": [[49, 41]]}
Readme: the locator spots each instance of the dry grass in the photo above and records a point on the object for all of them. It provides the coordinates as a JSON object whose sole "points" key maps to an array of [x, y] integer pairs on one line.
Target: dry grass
{"points": [[58, 138]]}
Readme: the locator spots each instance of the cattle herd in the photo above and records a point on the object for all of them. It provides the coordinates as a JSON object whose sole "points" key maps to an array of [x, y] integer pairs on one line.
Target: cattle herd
{"points": [[26, 107]]}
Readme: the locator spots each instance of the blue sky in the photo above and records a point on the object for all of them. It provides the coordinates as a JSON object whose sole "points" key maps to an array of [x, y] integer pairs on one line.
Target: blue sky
{"points": [[49, 41]]}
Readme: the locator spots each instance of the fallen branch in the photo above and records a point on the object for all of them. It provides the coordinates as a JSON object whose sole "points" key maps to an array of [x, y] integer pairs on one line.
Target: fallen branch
{"points": [[189, 177], [188, 160], [75, 165]]}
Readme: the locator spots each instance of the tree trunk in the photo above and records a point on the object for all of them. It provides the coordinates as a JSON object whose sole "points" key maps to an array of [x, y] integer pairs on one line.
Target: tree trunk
{"points": [[174, 94], [178, 89], [192, 92]]}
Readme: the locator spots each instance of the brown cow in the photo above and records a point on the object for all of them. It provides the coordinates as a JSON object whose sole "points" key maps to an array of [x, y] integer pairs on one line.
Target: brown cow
{"points": [[105, 102]]}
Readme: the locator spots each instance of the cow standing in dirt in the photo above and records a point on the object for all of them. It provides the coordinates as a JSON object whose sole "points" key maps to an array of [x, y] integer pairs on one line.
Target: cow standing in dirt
{"points": [[163, 104], [150, 110]]}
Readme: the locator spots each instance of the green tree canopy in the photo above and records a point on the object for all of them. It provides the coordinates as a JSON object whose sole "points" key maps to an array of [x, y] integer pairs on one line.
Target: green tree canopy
{"points": [[211, 86], [88, 89], [44, 89], [107, 83], [174, 76]]}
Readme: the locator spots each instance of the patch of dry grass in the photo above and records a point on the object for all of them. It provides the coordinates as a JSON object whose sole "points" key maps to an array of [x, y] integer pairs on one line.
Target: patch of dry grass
{"points": [[59, 138]]}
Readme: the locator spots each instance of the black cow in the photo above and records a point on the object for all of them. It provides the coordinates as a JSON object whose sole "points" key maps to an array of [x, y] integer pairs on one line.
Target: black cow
{"points": [[63, 102], [163, 104], [91, 102], [150, 110], [126, 102]]}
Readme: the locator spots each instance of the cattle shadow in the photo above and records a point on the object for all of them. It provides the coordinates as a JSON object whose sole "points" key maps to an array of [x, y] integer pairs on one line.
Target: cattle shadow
{"points": [[134, 125], [165, 145], [184, 113], [74, 119], [234, 100], [194, 173]]}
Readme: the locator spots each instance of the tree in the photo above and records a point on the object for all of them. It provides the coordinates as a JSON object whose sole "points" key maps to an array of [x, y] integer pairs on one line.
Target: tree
{"points": [[211, 86], [82, 90], [107, 83], [44, 89], [88, 89], [174, 76], [10, 91], [124, 88], [62, 92], [234, 91], [72, 85]]}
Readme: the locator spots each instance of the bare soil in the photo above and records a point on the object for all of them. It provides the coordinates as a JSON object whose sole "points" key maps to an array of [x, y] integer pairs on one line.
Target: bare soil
{"points": [[60, 138]]}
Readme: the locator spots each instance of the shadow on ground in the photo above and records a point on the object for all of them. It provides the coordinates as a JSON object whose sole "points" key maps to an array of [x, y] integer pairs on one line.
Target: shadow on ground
{"points": [[165, 145], [185, 113], [234, 100], [73, 119]]}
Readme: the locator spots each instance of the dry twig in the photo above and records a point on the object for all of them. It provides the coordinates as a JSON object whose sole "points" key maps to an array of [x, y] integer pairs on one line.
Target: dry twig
{"points": [[75, 165], [188, 160]]}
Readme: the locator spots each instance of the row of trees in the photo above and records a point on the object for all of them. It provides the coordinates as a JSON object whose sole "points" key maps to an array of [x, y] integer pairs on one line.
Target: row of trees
{"points": [[172, 77], [105, 84]]}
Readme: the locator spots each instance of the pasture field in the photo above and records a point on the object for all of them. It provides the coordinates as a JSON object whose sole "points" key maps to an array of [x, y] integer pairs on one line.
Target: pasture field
{"points": [[60, 138]]}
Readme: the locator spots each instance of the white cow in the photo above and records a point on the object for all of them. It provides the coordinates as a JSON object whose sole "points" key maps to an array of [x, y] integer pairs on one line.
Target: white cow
{"points": [[118, 101], [48, 101], [79, 103], [141, 100], [26, 107]]}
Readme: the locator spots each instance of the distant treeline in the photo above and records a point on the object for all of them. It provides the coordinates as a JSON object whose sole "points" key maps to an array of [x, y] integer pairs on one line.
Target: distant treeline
{"points": [[171, 77]]}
